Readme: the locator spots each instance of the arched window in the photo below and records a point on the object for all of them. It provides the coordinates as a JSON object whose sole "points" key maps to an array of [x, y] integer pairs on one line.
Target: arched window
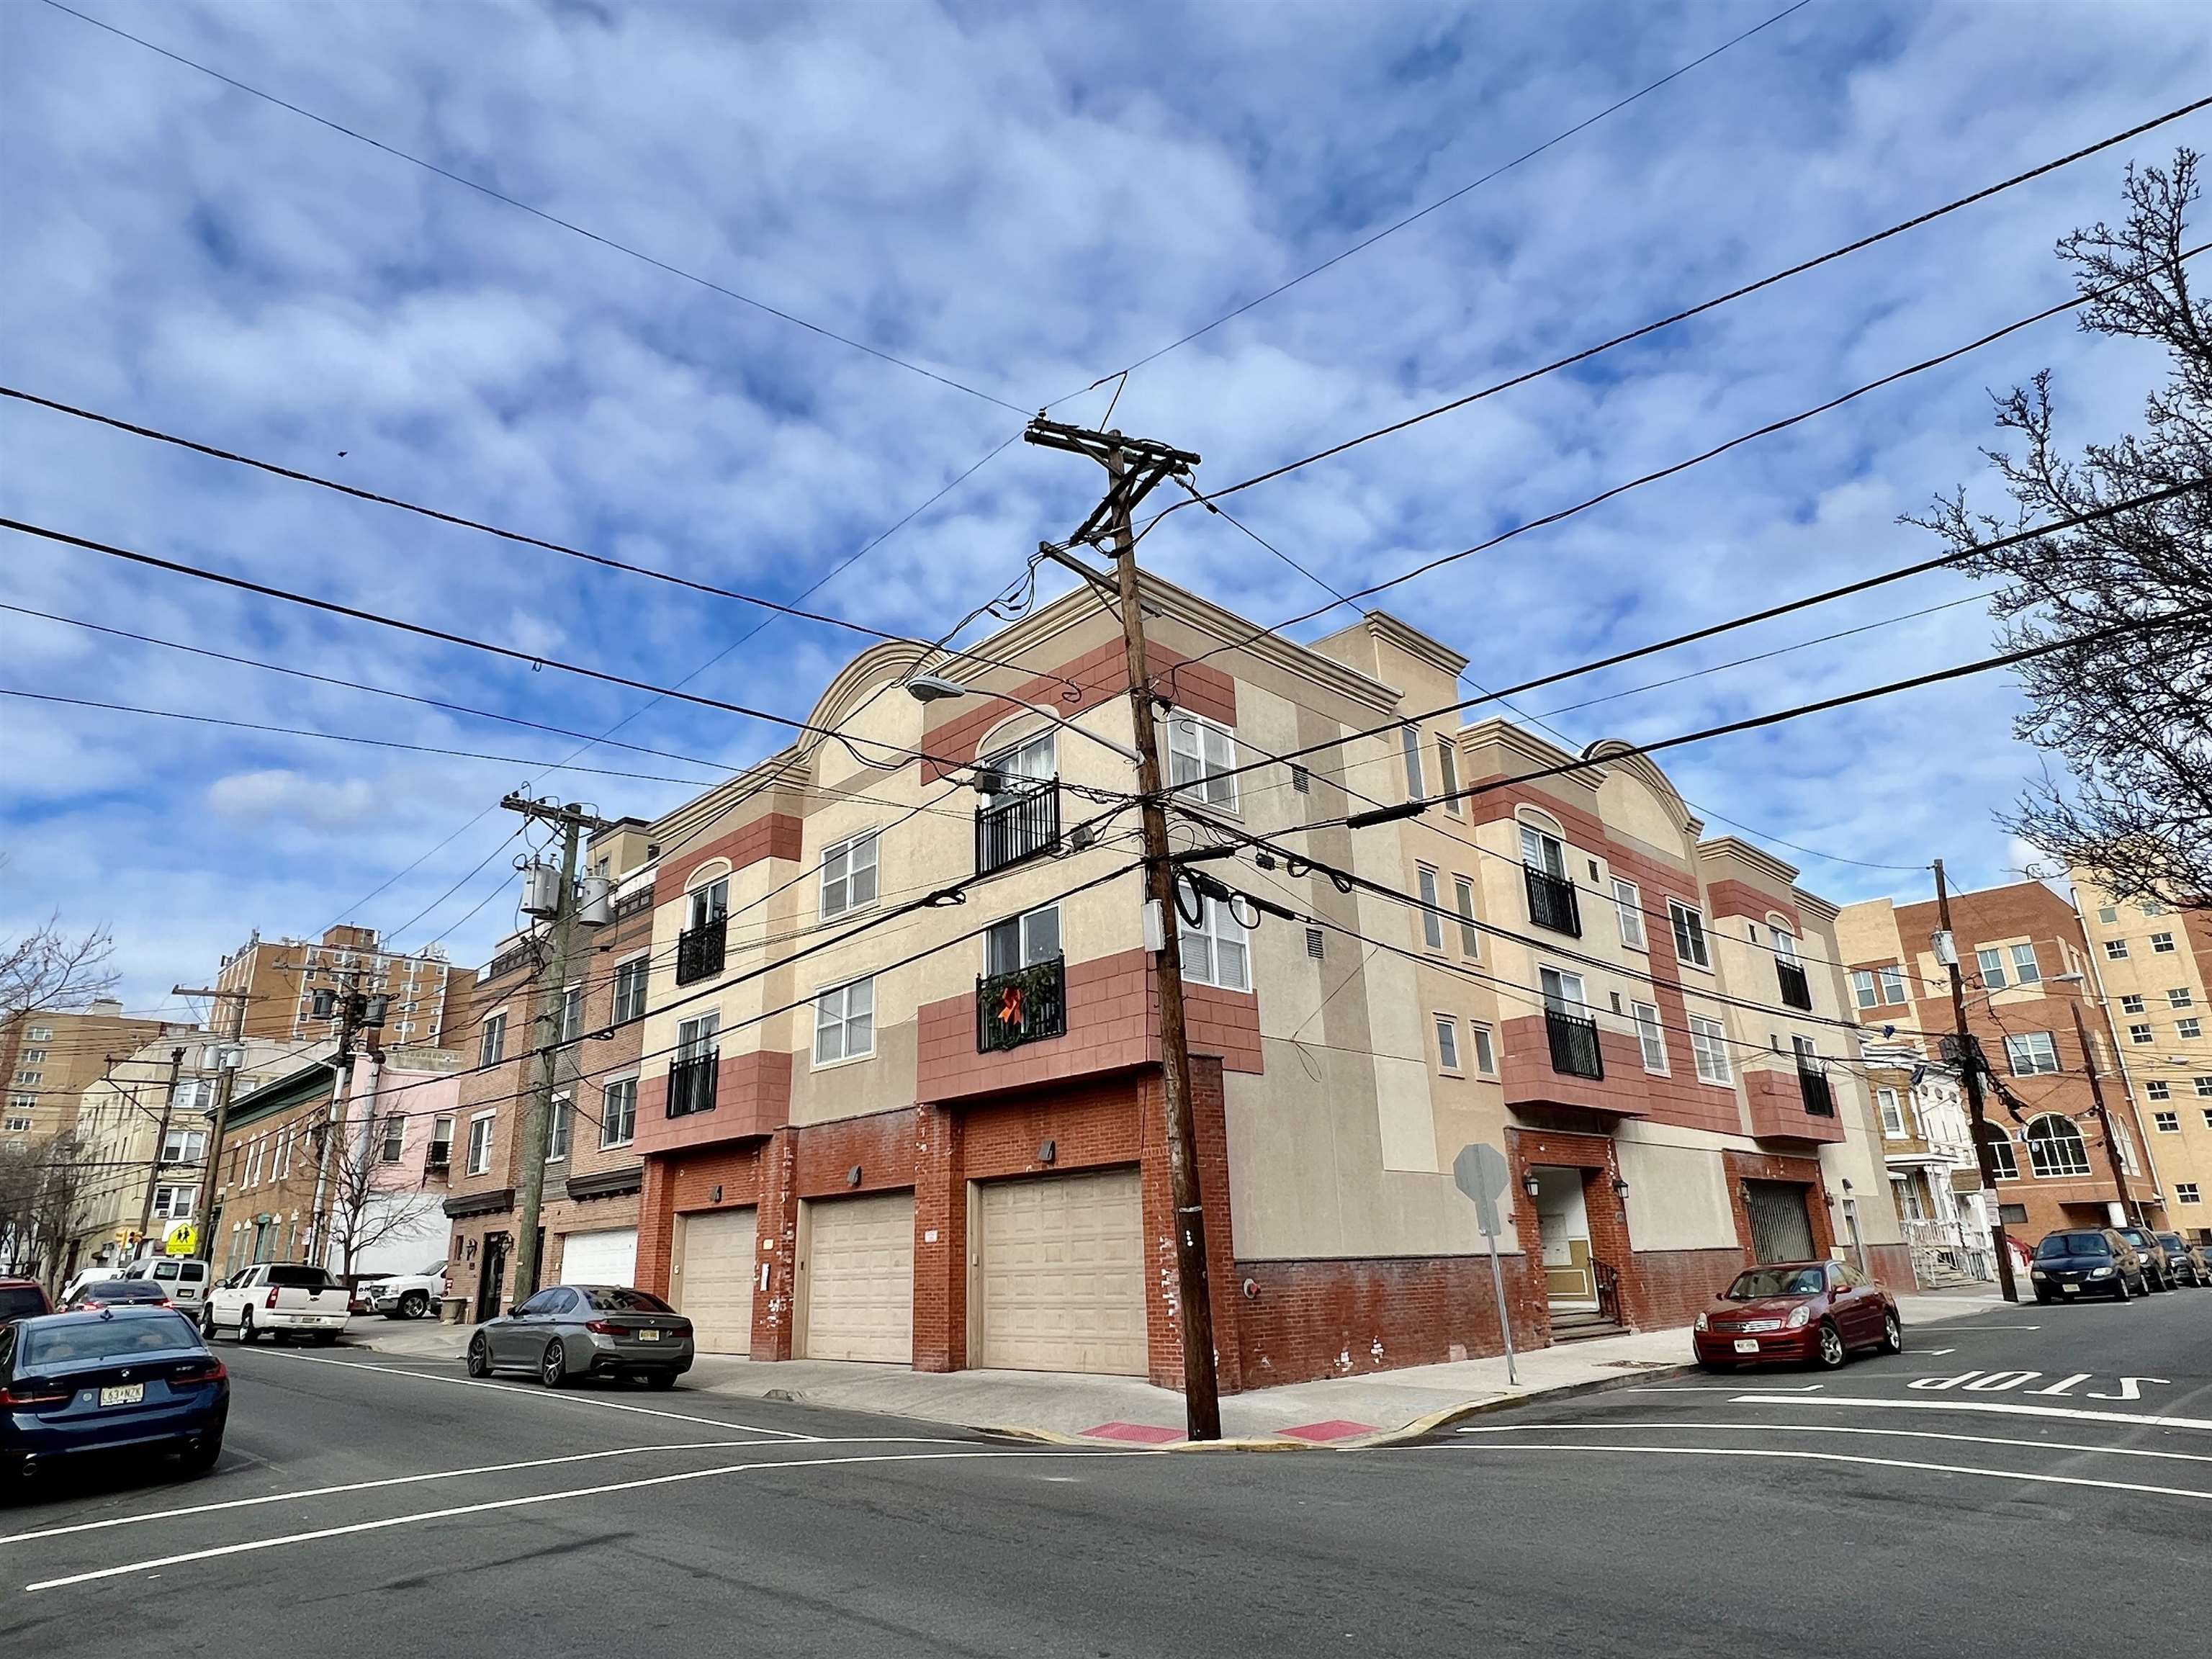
{"points": [[2001, 1154], [2055, 1147]]}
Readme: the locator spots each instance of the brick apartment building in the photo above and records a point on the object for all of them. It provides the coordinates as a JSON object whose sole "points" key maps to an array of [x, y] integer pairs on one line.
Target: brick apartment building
{"points": [[932, 1136], [280, 976], [2154, 967], [48, 1058], [588, 1213], [2028, 967]]}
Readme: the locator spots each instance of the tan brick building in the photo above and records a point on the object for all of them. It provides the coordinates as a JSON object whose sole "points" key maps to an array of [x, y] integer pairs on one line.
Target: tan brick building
{"points": [[280, 976], [47, 1061]]}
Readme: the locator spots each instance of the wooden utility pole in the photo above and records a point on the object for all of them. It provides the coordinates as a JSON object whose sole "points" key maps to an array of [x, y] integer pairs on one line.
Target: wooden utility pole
{"points": [[204, 1212], [1135, 467], [2104, 1118], [160, 1140], [1970, 1073], [534, 1139], [351, 1010]]}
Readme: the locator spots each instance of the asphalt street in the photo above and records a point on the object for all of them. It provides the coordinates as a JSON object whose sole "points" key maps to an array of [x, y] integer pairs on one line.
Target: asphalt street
{"points": [[2030, 1480]]}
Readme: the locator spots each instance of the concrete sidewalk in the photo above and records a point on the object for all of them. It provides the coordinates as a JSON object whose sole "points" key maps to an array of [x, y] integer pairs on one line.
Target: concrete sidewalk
{"points": [[1041, 1404]]}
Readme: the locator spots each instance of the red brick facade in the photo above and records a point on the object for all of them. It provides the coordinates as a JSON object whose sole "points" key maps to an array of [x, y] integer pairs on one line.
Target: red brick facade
{"points": [[771, 836]]}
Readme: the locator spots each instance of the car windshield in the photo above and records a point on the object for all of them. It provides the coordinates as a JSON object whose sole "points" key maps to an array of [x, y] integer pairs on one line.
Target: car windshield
{"points": [[618, 1298], [69, 1340], [432, 1270], [2074, 1244], [17, 1300], [2173, 1241], [1756, 1282], [299, 1279], [124, 1290]]}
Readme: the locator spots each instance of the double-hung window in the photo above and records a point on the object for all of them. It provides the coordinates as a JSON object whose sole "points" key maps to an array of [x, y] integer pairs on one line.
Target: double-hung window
{"points": [[848, 874], [1863, 990], [2032, 1053], [1991, 963], [394, 1143], [1689, 933], [1447, 1042], [2180, 997], [629, 989], [442, 1141], [1199, 752], [709, 905], [493, 1048], [1448, 774], [561, 1129], [2188, 1027], [1628, 908], [1544, 853], [183, 1145], [1432, 921], [618, 1112], [1409, 738], [1215, 950], [1650, 1037], [1893, 984], [845, 1022], [1485, 1059], [2161, 945], [1563, 993], [1470, 936], [572, 1013], [480, 1127], [2026, 970], [1893, 1113], [1022, 941], [1709, 1048]]}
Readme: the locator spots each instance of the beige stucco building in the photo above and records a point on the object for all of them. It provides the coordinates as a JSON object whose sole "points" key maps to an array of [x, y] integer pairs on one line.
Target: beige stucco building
{"points": [[47, 1059], [278, 979]]}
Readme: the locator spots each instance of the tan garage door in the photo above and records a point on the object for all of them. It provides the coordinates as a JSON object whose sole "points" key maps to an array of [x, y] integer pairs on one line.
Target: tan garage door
{"points": [[856, 1276], [715, 1286], [1063, 1280]]}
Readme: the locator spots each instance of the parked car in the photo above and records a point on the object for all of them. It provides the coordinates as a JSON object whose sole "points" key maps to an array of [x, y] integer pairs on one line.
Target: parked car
{"points": [[1819, 1311], [183, 1280], [2079, 1261], [89, 1276], [2186, 1263], [2146, 1245], [119, 1292], [568, 1331], [276, 1298], [135, 1379], [405, 1296], [20, 1298]]}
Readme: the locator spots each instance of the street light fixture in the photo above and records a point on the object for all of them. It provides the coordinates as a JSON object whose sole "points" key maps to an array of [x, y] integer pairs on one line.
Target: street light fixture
{"points": [[935, 688]]}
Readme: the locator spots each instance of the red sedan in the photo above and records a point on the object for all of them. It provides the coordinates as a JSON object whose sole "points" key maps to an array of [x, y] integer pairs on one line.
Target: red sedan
{"points": [[1815, 1311]]}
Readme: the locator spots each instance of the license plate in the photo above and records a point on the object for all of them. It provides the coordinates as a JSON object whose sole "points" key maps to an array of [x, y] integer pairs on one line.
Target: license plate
{"points": [[648, 1336], [2071, 1289], [123, 1394], [1746, 1345]]}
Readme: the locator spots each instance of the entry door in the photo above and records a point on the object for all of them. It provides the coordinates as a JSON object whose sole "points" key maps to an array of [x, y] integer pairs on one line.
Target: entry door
{"points": [[1780, 1226], [491, 1277], [1563, 1227]]}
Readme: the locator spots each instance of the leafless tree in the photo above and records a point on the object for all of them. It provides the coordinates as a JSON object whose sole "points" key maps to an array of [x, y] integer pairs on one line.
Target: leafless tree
{"points": [[370, 1201], [50, 969], [43, 1188], [2129, 719]]}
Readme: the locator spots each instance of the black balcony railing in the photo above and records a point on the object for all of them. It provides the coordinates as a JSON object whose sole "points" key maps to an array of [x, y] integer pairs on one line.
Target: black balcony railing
{"points": [[1797, 989], [1026, 1005], [1551, 901], [1017, 826], [692, 1084], [1574, 1044], [1819, 1098], [699, 951]]}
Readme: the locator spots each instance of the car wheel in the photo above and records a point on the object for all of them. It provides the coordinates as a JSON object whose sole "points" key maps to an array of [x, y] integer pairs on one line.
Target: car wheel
{"points": [[2120, 1290], [246, 1331], [479, 1356], [662, 1380], [414, 1305], [2042, 1296], [325, 1338], [207, 1324], [1832, 1352], [1892, 1334], [553, 1367], [199, 1454]]}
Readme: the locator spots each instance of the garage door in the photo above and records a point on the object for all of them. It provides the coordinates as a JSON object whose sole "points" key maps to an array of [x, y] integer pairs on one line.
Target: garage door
{"points": [[1780, 1226], [715, 1286], [605, 1257], [1063, 1283], [857, 1277]]}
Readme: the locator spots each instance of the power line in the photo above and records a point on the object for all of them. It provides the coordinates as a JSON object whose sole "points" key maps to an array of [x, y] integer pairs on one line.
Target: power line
{"points": [[538, 212]]}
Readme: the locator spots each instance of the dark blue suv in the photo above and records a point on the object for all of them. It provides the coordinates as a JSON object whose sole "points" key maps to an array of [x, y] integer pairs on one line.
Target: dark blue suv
{"points": [[132, 1379]]}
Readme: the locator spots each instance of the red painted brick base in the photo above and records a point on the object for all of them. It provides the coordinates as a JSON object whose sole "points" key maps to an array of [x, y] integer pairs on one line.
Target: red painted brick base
{"points": [[1340, 1318]]}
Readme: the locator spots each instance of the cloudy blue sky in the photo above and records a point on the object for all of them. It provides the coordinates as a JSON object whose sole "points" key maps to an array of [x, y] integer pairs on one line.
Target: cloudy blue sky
{"points": [[1019, 199]]}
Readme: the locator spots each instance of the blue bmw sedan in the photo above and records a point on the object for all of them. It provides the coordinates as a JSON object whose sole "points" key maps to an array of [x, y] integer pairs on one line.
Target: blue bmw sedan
{"points": [[120, 1379]]}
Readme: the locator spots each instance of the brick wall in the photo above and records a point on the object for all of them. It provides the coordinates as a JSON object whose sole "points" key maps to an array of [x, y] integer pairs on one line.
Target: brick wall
{"points": [[1891, 1265], [1677, 1284], [1335, 1318], [771, 836]]}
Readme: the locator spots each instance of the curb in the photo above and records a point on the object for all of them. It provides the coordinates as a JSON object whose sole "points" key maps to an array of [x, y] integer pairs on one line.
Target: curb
{"points": [[1421, 1427]]}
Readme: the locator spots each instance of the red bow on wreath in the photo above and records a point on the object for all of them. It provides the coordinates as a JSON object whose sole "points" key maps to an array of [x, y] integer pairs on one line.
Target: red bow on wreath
{"points": [[1010, 1005]]}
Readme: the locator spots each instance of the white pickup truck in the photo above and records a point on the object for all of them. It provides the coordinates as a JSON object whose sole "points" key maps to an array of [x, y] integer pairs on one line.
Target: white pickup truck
{"points": [[405, 1296], [276, 1298]]}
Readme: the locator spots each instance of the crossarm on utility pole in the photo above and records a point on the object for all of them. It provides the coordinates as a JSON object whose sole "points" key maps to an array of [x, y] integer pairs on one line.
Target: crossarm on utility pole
{"points": [[1969, 1071]]}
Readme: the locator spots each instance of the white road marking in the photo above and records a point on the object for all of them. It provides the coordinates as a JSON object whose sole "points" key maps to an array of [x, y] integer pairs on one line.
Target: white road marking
{"points": [[451, 1474], [2001, 1408], [1718, 1388], [1833, 1428], [1948, 1327], [1815, 1457], [252, 1545], [562, 1395], [1931, 1352]]}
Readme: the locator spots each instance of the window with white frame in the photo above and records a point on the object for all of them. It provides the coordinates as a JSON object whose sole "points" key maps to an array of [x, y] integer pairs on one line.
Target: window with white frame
{"points": [[1216, 951], [2186, 1192], [1022, 941], [442, 1141], [629, 989], [22, 1102], [2167, 1123], [1786, 943], [2205, 1087], [286, 1139], [1893, 1113], [1628, 911], [1032, 760], [845, 1022], [2055, 1147], [30, 1079], [174, 1203], [1447, 773], [1447, 1042], [2026, 970], [559, 1132], [39, 1034], [2032, 1053], [848, 874], [1650, 1037], [2116, 949], [1409, 741], [1478, 1042], [2131, 1005], [572, 1013], [2159, 1089], [2181, 997], [1709, 1048], [1863, 990], [1199, 752], [480, 1142], [493, 1048], [1433, 924], [394, 1143], [1991, 963], [618, 1112], [2001, 1153], [32, 1057], [1563, 992], [707, 905], [253, 1162], [2161, 945], [2188, 1027], [1543, 851], [1893, 984], [1689, 933], [2141, 1033], [183, 1145], [1470, 936], [18, 1124]]}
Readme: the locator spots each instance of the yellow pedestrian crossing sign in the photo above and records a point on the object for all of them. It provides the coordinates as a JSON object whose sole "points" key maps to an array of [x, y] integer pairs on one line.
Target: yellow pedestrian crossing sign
{"points": [[182, 1239]]}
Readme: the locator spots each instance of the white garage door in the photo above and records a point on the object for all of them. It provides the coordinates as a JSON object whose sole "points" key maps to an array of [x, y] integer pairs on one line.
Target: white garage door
{"points": [[1063, 1283], [606, 1257], [715, 1286], [857, 1277]]}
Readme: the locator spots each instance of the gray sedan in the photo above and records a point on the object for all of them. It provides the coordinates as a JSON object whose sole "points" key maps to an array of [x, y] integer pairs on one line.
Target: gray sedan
{"points": [[567, 1331]]}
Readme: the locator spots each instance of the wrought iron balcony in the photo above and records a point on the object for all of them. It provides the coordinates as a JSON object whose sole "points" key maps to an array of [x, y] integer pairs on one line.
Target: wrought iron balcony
{"points": [[699, 951], [1016, 826], [1551, 901], [1575, 1051], [1797, 989], [1026, 1005], [1819, 1098], [692, 1084]]}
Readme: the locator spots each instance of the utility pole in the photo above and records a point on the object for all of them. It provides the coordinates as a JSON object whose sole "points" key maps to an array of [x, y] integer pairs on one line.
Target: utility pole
{"points": [[2104, 1118], [204, 1212], [1135, 467], [534, 1139], [160, 1140], [352, 1011], [1969, 1071]]}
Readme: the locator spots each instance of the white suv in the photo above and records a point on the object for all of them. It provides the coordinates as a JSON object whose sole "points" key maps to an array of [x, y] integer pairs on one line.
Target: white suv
{"points": [[184, 1281]]}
